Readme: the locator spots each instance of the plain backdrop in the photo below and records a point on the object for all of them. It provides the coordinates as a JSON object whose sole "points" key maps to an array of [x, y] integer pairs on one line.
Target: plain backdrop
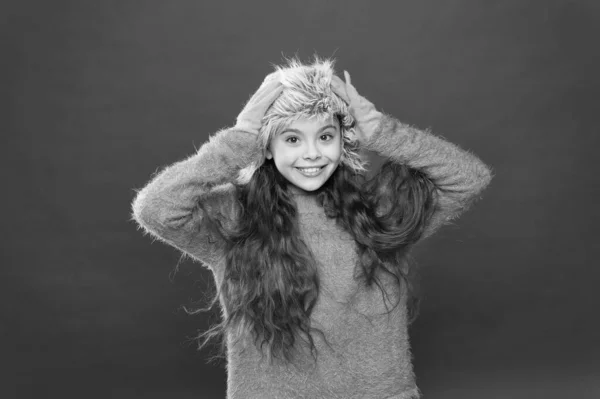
{"points": [[99, 95]]}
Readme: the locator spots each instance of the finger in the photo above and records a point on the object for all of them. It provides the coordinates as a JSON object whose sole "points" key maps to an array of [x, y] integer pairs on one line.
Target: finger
{"points": [[261, 101], [267, 99], [350, 89], [273, 76], [339, 87], [347, 77], [267, 83], [271, 93], [265, 91]]}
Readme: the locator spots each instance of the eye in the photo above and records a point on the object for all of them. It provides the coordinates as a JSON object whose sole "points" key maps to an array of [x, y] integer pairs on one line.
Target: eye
{"points": [[290, 138], [328, 135]]}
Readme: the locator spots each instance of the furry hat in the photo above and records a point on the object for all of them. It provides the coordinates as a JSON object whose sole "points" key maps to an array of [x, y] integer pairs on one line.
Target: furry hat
{"points": [[307, 94]]}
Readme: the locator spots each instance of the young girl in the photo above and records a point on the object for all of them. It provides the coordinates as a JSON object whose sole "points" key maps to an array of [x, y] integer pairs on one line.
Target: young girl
{"points": [[309, 256]]}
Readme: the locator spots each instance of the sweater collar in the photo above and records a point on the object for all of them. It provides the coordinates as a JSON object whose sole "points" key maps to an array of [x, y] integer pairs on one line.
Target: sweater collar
{"points": [[306, 201]]}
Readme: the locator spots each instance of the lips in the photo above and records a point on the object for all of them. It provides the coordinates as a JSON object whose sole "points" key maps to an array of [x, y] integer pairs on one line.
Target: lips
{"points": [[312, 171], [311, 167]]}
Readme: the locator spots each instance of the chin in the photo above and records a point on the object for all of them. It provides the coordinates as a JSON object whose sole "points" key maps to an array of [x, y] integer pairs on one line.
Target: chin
{"points": [[312, 188], [307, 187]]}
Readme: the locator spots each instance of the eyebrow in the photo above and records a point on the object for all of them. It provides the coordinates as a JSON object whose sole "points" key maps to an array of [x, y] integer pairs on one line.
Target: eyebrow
{"points": [[290, 130]]}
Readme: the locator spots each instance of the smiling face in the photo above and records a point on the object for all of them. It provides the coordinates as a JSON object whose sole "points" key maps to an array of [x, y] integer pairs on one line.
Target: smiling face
{"points": [[307, 151]]}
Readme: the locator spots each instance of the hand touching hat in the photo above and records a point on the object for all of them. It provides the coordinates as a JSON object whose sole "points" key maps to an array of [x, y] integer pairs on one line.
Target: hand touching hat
{"points": [[368, 119], [249, 120]]}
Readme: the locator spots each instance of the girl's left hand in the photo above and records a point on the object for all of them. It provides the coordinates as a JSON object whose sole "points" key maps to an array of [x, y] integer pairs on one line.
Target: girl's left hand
{"points": [[368, 119]]}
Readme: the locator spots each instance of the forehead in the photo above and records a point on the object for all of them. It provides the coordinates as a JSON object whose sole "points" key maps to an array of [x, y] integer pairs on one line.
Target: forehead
{"points": [[315, 123]]}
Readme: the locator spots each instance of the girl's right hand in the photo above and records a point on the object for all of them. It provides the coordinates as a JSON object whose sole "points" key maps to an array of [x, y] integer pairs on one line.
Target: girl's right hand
{"points": [[249, 120]]}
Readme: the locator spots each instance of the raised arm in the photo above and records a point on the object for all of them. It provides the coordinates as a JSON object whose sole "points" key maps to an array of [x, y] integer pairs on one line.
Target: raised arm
{"points": [[458, 175], [173, 205]]}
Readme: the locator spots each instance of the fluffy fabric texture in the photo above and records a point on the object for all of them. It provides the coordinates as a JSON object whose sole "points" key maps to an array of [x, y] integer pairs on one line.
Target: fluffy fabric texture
{"points": [[307, 93], [366, 353]]}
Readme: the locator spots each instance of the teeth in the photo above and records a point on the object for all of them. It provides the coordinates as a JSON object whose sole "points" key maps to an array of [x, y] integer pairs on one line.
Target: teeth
{"points": [[310, 170]]}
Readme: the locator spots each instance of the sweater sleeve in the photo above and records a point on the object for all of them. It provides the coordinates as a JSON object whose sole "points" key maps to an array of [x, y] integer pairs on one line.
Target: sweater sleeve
{"points": [[458, 175], [173, 205]]}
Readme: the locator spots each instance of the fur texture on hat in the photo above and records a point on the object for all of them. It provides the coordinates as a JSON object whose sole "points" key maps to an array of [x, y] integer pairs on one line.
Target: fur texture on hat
{"points": [[307, 94]]}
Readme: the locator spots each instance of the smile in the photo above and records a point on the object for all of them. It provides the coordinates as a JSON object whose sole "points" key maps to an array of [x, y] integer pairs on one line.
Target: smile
{"points": [[310, 171]]}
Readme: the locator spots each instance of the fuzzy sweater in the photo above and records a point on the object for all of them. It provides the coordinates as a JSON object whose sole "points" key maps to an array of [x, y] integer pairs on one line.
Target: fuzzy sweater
{"points": [[368, 355]]}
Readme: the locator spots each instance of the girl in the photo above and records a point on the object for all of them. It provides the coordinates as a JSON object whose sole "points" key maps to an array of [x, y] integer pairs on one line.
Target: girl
{"points": [[310, 257]]}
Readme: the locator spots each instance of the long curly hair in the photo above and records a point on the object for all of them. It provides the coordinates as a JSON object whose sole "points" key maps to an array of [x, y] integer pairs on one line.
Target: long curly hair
{"points": [[271, 279]]}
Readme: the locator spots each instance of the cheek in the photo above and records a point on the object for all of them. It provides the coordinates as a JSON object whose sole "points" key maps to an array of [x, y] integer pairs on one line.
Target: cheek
{"points": [[338, 149], [283, 157]]}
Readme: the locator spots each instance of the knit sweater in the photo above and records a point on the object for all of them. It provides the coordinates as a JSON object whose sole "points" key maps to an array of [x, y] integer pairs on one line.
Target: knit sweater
{"points": [[367, 352]]}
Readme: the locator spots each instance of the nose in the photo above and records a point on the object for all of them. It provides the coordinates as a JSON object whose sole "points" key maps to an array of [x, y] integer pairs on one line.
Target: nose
{"points": [[312, 152]]}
